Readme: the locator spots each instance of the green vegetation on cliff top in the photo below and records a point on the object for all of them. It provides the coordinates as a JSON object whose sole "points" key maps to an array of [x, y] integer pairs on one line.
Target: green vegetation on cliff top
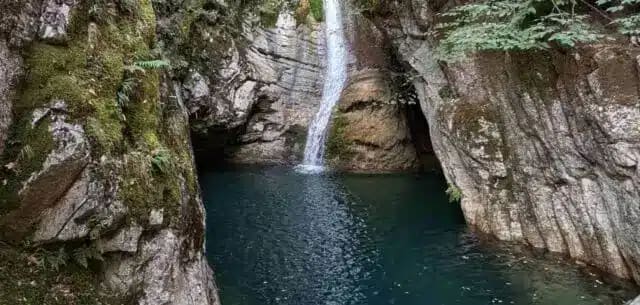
{"points": [[516, 25]]}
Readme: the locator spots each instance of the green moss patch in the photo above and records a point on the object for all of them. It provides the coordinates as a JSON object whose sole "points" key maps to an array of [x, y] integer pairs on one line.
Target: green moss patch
{"points": [[317, 9], [337, 146]]}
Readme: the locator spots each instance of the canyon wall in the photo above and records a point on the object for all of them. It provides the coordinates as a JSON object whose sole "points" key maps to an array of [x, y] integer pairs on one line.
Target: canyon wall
{"points": [[544, 146], [265, 87], [99, 201], [370, 129]]}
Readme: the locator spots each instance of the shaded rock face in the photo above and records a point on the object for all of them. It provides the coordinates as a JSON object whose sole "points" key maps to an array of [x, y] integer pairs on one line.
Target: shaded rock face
{"points": [[544, 146], [259, 102], [370, 130], [78, 176]]}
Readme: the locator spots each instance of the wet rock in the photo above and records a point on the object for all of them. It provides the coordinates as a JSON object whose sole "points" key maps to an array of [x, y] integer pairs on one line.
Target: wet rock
{"points": [[156, 217], [10, 69], [162, 279], [370, 130], [73, 193]]}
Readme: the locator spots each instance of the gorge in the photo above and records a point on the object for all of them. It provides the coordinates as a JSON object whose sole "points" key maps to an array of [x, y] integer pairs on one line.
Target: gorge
{"points": [[107, 106]]}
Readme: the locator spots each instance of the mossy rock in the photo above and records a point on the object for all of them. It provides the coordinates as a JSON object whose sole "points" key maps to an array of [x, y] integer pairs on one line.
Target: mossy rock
{"points": [[337, 146]]}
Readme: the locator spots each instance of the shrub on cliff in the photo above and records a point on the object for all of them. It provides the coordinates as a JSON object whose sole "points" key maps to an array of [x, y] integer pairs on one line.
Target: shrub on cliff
{"points": [[511, 25]]}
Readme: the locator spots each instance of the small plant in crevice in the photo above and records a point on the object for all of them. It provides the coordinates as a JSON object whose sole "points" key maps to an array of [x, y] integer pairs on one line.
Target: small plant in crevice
{"points": [[153, 64], [454, 193], [56, 259], [26, 153], [161, 161], [130, 81], [104, 11], [83, 255], [368, 6], [629, 23], [128, 6], [124, 92]]}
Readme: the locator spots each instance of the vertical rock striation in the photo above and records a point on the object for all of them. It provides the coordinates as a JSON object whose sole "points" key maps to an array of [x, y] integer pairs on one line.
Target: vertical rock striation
{"points": [[543, 145]]}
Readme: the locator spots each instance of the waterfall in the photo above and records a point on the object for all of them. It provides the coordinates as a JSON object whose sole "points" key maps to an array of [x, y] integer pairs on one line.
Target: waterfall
{"points": [[335, 78]]}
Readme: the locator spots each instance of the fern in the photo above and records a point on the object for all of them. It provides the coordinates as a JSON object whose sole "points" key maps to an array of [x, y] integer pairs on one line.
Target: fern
{"points": [[26, 153], [55, 260], [153, 64], [512, 25], [630, 23], [83, 255], [123, 94]]}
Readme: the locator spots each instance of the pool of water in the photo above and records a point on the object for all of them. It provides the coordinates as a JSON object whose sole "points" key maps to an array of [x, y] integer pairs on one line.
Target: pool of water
{"points": [[275, 236]]}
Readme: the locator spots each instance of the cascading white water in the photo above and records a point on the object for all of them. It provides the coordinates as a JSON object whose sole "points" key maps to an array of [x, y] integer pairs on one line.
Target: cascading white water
{"points": [[334, 82]]}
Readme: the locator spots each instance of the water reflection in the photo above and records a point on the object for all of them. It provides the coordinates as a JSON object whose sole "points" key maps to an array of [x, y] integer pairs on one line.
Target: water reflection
{"points": [[278, 237]]}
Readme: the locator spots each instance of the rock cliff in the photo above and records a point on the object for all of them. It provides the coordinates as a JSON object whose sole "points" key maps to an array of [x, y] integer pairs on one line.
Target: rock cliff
{"points": [[98, 175], [370, 129], [257, 102], [544, 146], [255, 106]]}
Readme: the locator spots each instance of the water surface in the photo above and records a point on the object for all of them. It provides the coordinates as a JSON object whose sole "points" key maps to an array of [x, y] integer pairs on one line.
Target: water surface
{"points": [[279, 237]]}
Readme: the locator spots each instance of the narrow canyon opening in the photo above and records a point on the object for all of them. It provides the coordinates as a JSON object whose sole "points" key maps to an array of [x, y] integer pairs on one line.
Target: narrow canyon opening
{"points": [[383, 227]]}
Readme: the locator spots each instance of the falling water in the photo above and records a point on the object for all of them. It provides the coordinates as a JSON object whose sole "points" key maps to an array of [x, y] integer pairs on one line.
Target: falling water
{"points": [[335, 79]]}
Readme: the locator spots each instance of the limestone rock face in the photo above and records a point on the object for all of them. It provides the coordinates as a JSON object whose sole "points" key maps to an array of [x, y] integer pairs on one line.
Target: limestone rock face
{"points": [[370, 132], [543, 145], [83, 174], [264, 94]]}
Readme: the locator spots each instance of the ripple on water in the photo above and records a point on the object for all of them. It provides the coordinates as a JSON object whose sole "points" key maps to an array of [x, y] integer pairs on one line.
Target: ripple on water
{"points": [[276, 236]]}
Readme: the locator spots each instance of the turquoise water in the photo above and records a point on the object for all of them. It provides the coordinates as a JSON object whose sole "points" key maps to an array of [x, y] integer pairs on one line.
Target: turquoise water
{"points": [[278, 237]]}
